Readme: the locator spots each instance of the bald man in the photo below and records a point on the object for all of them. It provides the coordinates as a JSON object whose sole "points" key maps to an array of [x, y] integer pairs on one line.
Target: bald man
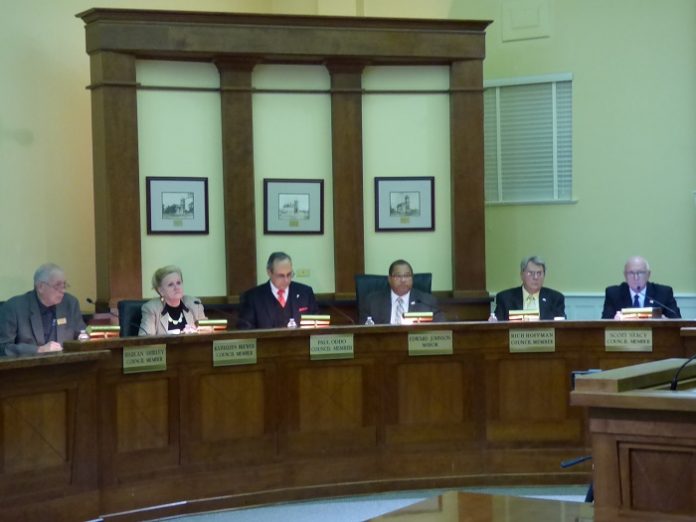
{"points": [[638, 292]]}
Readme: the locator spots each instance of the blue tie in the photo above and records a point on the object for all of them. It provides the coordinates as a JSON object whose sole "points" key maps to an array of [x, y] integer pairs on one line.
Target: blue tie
{"points": [[636, 301]]}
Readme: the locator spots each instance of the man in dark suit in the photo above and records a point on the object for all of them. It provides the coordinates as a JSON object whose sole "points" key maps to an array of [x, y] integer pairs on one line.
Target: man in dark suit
{"points": [[388, 306], [532, 295], [41, 320], [274, 303], [638, 292]]}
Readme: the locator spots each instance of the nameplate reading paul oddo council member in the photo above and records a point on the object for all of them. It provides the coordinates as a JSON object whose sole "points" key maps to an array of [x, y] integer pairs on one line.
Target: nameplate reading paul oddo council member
{"points": [[335, 346], [146, 358], [532, 340], [231, 352]]}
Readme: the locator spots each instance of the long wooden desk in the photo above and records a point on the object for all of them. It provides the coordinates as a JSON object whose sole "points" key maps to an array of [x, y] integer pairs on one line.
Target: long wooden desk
{"points": [[80, 438], [643, 441]]}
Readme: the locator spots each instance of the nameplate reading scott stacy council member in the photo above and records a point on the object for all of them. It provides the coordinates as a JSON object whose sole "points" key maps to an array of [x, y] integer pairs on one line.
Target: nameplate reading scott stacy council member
{"points": [[435, 342], [335, 346], [628, 340], [532, 340], [148, 358], [230, 352]]}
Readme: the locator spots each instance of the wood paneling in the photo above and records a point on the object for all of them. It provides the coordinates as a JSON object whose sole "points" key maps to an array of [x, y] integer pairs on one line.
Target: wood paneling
{"points": [[291, 427]]}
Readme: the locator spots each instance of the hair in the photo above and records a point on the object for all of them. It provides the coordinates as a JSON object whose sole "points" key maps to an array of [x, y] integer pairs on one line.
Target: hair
{"points": [[637, 259], [532, 259], [276, 256], [163, 272], [43, 273], [400, 262]]}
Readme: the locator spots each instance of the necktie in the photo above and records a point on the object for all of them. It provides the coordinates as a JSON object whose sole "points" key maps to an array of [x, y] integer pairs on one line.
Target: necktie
{"points": [[399, 310], [530, 304], [281, 297], [636, 301]]}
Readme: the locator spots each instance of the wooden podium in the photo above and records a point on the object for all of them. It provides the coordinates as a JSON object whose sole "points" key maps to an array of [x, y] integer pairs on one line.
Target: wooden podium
{"points": [[643, 441]]}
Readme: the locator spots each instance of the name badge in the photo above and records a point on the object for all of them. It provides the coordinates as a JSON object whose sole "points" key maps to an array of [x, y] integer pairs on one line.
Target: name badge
{"points": [[61, 321]]}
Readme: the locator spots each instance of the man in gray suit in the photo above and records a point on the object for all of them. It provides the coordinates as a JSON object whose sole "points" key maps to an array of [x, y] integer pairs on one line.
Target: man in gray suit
{"points": [[388, 306], [41, 320]]}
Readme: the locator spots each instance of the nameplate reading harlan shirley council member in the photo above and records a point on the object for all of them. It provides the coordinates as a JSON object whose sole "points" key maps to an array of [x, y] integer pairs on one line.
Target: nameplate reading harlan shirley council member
{"points": [[628, 339], [335, 346], [230, 352], [532, 340], [436, 342], [148, 358]]}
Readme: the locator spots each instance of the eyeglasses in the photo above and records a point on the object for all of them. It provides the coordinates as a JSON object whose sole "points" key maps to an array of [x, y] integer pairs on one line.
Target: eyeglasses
{"points": [[637, 274], [401, 276], [289, 275], [58, 286], [534, 273]]}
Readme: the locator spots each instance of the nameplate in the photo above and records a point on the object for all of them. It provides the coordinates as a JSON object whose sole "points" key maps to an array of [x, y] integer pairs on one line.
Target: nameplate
{"points": [[335, 346], [532, 340], [231, 352], [436, 342], [628, 340], [149, 358]]}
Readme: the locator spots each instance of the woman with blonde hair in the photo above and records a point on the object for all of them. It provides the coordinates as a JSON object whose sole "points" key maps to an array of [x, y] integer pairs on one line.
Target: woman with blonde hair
{"points": [[173, 312]]}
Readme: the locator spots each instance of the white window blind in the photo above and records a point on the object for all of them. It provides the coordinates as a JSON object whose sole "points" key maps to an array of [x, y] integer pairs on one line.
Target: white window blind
{"points": [[528, 140]]}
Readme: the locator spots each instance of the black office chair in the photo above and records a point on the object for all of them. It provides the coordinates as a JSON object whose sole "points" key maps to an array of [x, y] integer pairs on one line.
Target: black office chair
{"points": [[365, 284], [129, 316]]}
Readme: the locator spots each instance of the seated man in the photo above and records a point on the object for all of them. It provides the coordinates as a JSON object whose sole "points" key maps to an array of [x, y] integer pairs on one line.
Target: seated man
{"points": [[388, 306], [532, 295], [638, 292], [275, 302], [43, 318]]}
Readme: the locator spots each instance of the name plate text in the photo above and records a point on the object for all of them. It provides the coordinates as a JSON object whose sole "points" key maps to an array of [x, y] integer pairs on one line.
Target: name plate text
{"points": [[334, 346], [628, 339], [436, 342], [231, 352], [532, 340], [148, 358]]}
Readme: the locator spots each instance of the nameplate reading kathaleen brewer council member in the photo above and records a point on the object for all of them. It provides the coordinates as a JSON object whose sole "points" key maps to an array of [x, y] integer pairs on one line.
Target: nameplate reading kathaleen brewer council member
{"points": [[532, 340], [230, 352], [147, 358], [436, 342], [628, 340], [335, 346]]}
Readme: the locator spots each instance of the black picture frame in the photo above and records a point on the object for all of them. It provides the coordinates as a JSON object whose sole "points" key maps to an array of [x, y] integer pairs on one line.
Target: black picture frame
{"points": [[177, 205], [293, 206], [405, 204]]}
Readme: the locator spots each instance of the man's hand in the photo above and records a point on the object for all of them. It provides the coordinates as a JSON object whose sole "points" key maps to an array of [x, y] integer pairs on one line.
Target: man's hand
{"points": [[50, 346]]}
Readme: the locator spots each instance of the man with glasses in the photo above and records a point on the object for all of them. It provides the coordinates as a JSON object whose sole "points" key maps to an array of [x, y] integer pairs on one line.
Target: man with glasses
{"points": [[41, 320], [638, 292], [388, 306], [532, 295], [275, 302]]}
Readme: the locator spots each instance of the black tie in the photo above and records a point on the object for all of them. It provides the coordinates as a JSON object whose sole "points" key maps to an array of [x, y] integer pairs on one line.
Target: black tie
{"points": [[636, 301]]}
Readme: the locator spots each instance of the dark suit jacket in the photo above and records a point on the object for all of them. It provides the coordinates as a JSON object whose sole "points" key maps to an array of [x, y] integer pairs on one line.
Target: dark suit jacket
{"points": [[378, 306], [619, 296], [260, 309], [551, 303], [21, 328]]}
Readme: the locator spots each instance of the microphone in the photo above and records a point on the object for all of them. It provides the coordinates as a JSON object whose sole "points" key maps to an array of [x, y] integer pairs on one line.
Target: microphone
{"points": [[663, 305], [675, 379], [342, 313], [431, 308]]}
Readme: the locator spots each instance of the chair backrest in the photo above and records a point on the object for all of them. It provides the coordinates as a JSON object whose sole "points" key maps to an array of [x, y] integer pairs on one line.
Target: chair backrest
{"points": [[129, 316], [365, 284]]}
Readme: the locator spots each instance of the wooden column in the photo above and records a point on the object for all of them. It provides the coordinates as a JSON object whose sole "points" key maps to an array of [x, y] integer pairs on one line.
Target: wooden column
{"points": [[238, 174], [346, 133], [116, 180], [466, 134]]}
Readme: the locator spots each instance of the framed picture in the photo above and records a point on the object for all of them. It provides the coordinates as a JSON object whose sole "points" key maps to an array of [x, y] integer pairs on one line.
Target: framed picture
{"points": [[404, 204], [177, 205], [293, 206]]}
